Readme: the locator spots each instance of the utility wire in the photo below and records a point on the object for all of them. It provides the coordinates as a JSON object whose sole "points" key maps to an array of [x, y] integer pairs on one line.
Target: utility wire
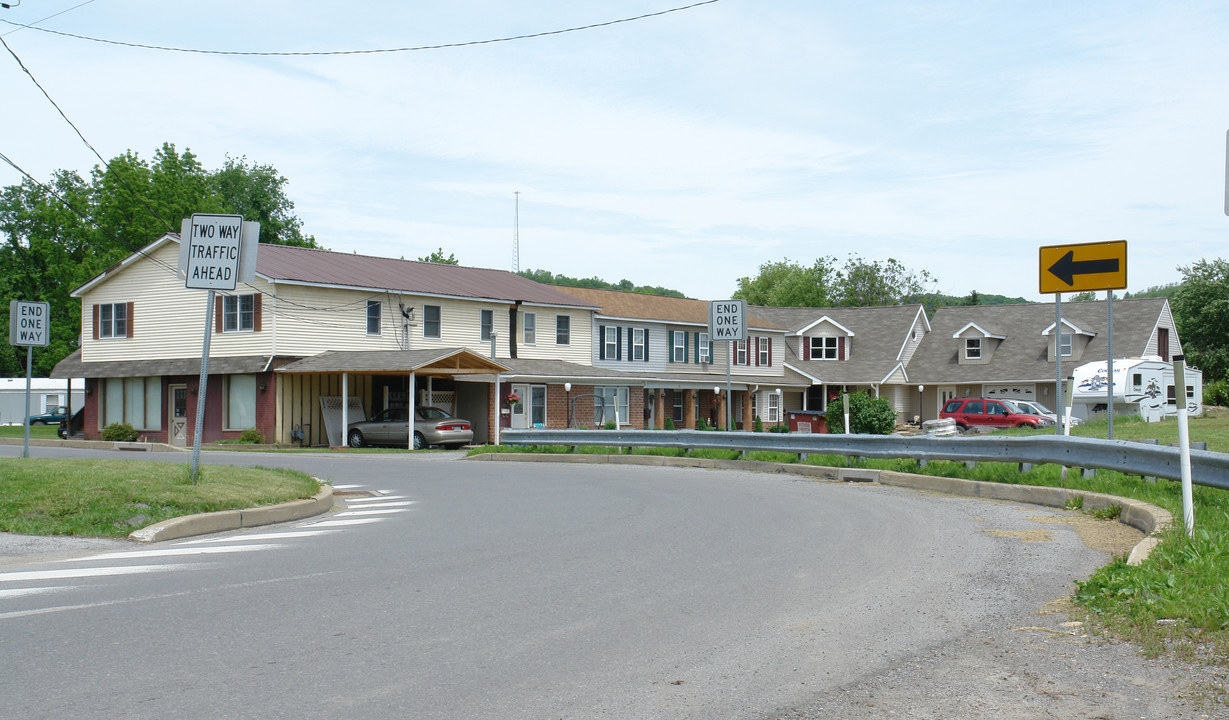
{"points": [[36, 22], [442, 46]]}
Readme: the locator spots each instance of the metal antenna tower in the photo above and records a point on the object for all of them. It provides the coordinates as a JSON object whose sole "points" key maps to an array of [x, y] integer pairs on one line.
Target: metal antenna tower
{"points": [[516, 235]]}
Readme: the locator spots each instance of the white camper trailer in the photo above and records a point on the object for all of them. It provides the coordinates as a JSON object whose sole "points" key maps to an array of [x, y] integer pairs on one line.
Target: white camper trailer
{"points": [[1143, 386]]}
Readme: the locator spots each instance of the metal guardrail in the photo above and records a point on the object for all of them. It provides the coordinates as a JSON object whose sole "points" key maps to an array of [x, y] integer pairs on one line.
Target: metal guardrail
{"points": [[1131, 458]]}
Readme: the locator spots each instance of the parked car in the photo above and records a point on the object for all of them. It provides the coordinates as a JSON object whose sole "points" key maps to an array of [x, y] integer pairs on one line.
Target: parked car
{"points": [[73, 425], [432, 426], [1035, 408], [51, 416], [982, 412]]}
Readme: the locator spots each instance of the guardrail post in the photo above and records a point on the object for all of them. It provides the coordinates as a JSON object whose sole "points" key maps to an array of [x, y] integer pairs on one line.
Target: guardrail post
{"points": [[1026, 467], [1088, 473], [1150, 441]]}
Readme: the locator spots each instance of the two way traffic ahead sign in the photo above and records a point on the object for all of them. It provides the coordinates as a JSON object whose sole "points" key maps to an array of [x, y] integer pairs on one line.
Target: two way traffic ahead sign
{"points": [[1083, 267]]}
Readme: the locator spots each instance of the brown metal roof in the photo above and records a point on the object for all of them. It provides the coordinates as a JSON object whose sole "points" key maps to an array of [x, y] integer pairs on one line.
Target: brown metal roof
{"points": [[323, 267], [639, 306], [445, 361]]}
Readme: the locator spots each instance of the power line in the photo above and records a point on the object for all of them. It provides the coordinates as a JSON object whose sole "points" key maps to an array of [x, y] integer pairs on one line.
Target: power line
{"points": [[442, 46]]}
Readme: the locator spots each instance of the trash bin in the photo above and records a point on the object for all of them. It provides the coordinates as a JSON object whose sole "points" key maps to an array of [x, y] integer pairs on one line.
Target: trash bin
{"points": [[807, 421]]}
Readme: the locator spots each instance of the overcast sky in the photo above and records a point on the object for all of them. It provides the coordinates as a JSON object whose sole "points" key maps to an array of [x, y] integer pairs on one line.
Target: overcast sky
{"points": [[681, 150]]}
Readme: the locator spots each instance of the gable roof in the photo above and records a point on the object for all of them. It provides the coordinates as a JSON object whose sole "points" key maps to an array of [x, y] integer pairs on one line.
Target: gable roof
{"points": [[639, 306], [882, 333], [324, 268], [1022, 354]]}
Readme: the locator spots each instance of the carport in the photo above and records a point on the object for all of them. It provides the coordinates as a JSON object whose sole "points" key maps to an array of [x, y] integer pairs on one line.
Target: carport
{"points": [[317, 397]]}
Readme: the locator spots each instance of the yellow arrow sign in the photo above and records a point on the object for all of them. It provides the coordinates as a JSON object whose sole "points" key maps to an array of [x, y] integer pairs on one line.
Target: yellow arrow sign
{"points": [[1083, 267]]}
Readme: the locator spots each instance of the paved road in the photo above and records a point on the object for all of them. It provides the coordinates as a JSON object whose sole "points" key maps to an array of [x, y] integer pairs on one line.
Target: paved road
{"points": [[524, 591]]}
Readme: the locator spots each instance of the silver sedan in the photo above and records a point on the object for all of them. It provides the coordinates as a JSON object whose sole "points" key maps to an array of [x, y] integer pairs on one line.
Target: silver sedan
{"points": [[432, 426]]}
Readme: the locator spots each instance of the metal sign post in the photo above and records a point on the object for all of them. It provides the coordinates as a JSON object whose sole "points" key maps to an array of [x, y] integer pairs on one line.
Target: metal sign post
{"points": [[1184, 444], [215, 253], [727, 320], [29, 325]]}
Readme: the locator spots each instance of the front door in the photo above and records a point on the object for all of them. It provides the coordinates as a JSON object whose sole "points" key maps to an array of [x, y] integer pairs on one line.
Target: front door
{"points": [[945, 394], [520, 420], [178, 412], [531, 410]]}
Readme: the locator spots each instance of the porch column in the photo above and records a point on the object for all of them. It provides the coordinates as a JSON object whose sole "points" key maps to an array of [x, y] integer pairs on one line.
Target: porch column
{"points": [[748, 414], [659, 409], [721, 409], [410, 440], [345, 408], [689, 409]]}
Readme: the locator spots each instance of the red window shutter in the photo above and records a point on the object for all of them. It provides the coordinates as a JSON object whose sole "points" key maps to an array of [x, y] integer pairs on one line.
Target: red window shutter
{"points": [[757, 351], [806, 348], [840, 348], [131, 305], [95, 322], [217, 314], [256, 312]]}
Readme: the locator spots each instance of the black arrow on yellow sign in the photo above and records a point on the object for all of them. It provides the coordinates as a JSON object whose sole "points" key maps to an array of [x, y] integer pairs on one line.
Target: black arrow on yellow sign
{"points": [[1067, 268]]}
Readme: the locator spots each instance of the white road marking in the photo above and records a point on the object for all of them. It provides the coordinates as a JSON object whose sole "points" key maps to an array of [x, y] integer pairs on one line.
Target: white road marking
{"points": [[289, 535], [30, 575], [175, 551], [378, 500], [19, 592], [365, 511], [341, 523]]}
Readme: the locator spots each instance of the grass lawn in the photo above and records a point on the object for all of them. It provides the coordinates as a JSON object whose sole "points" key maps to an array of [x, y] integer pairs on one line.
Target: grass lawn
{"points": [[37, 432], [111, 498]]}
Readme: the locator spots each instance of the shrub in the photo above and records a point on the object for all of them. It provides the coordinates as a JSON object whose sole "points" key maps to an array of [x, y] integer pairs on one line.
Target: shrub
{"points": [[119, 432], [867, 416], [779, 428], [610, 425], [700, 424], [252, 436], [759, 424], [1216, 393], [669, 423]]}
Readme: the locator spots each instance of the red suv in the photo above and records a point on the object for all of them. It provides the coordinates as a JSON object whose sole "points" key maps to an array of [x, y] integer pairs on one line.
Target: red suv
{"points": [[981, 412]]}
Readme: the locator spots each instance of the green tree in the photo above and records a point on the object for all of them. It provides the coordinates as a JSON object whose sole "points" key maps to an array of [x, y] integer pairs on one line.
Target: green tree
{"points": [[864, 283], [438, 258], [789, 284], [55, 235], [1201, 312]]}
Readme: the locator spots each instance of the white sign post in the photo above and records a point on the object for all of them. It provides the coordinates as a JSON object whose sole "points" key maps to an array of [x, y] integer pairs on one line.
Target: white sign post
{"points": [[216, 252], [29, 325], [727, 320]]}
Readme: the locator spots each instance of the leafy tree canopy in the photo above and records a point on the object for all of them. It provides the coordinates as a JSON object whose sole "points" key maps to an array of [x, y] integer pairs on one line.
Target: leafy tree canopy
{"points": [[1201, 312], [57, 234], [548, 278], [858, 283], [437, 256]]}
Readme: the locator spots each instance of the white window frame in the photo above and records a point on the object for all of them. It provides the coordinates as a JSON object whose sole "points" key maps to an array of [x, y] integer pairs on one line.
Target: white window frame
{"points": [[1065, 344], [764, 347], [825, 348], [610, 341], [678, 341], [563, 329], [110, 322], [637, 344], [373, 318], [529, 329], [972, 348], [702, 353], [139, 400], [774, 408], [428, 323], [486, 324], [235, 385], [616, 397], [740, 352], [237, 318]]}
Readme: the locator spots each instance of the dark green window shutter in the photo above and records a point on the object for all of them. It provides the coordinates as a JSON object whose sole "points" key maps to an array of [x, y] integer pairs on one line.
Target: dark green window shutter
{"points": [[601, 342]]}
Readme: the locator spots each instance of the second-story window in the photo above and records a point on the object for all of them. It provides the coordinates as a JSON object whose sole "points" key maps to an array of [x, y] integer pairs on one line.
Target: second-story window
{"points": [[740, 352], [637, 344], [678, 352], [563, 330], [972, 348], [431, 321], [373, 317], [824, 348], [1064, 343], [610, 342], [531, 328], [487, 324], [765, 350], [238, 313], [113, 320], [702, 348]]}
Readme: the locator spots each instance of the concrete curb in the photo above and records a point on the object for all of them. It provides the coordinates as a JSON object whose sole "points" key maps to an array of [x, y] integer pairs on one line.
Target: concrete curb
{"points": [[1145, 517], [223, 520]]}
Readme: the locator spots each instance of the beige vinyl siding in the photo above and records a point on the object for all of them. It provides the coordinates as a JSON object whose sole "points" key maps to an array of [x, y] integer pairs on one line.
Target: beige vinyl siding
{"points": [[778, 356], [168, 320], [918, 330], [1166, 320], [579, 350], [310, 320]]}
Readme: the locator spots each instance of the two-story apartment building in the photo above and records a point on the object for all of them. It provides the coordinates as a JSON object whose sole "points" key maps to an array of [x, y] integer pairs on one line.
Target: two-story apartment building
{"points": [[1011, 350], [319, 336], [664, 343]]}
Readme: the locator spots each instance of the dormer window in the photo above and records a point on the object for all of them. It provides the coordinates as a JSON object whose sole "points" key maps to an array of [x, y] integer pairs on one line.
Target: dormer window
{"points": [[972, 348], [1064, 344], [825, 348]]}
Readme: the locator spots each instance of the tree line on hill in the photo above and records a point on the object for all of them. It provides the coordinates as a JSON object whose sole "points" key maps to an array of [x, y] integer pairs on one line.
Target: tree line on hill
{"points": [[58, 234]]}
